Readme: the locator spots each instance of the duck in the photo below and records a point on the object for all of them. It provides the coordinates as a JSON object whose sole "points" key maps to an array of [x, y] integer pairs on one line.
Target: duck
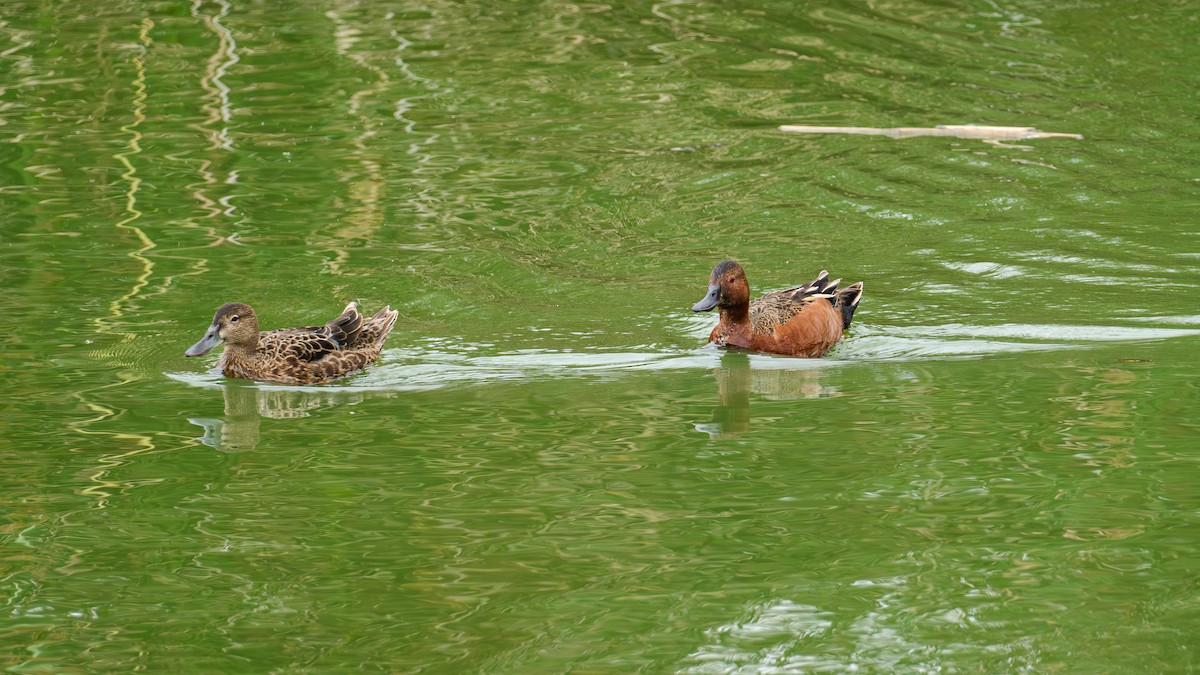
{"points": [[311, 355], [803, 321]]}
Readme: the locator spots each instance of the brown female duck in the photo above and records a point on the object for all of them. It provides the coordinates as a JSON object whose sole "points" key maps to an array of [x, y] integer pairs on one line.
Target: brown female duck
{"points": [[802, 321], [310, 355]]}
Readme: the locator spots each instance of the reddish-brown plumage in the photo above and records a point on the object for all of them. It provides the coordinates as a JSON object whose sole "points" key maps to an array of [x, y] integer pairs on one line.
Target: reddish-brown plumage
{"points": [[802, 321]]}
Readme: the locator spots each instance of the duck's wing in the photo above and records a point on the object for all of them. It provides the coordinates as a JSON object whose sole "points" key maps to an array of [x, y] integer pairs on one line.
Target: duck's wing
{"points": [[312, 343], [776, 309], [346, 327], [305, 344], [822, 285]]}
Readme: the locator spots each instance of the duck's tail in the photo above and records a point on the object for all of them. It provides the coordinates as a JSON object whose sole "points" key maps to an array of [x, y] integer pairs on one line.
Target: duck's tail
{"points": [[845, 300], [376, 329]]}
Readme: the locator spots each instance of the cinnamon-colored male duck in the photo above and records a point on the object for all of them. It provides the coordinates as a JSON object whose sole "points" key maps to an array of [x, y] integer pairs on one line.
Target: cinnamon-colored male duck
{"points": [[309, 355], [802, 321]]}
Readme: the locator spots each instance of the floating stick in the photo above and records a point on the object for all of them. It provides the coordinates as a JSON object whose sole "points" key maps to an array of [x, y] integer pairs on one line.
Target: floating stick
{"points": [[984, 133]]}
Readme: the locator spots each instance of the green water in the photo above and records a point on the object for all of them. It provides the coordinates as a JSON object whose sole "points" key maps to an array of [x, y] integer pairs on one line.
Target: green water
{"points": [[549, 471]]}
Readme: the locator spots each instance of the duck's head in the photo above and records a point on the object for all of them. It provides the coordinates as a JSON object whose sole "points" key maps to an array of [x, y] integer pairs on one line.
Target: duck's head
{"points": [[233, 324], [727, 287]]}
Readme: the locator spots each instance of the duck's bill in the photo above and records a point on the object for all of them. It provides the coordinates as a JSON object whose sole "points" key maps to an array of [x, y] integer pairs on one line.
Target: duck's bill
{"points": [[709, 301], [206, 343]]}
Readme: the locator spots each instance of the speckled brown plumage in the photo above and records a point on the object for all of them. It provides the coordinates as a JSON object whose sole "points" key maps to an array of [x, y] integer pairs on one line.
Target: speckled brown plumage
{"points": [[775, 309], [803, 321], [310, 355]]}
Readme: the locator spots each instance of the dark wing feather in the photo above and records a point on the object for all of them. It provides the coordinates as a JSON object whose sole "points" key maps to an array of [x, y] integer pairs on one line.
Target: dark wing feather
{"points": [[346, 326]]}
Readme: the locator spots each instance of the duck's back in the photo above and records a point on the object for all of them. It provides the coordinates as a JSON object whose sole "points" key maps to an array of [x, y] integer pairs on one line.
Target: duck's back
{"points": [[807, 326], [306, 344], [315, 354], [349, 332], [777, 308], [806, 320]]}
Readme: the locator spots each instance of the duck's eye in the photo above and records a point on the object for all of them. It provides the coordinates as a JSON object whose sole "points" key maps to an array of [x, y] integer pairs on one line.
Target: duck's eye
{"points": [[233, 319]]}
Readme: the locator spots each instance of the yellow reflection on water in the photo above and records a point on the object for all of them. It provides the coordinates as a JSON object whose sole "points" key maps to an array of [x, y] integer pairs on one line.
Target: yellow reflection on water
{"points": [[116, 307]]}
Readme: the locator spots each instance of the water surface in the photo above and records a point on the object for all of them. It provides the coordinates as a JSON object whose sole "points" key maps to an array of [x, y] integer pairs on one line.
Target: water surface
{"points": [[549, 471]]}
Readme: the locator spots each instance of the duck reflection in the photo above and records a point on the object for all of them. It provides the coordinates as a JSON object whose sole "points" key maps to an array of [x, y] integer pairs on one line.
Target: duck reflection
{"points": [[737, 380], [246, 406]]}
